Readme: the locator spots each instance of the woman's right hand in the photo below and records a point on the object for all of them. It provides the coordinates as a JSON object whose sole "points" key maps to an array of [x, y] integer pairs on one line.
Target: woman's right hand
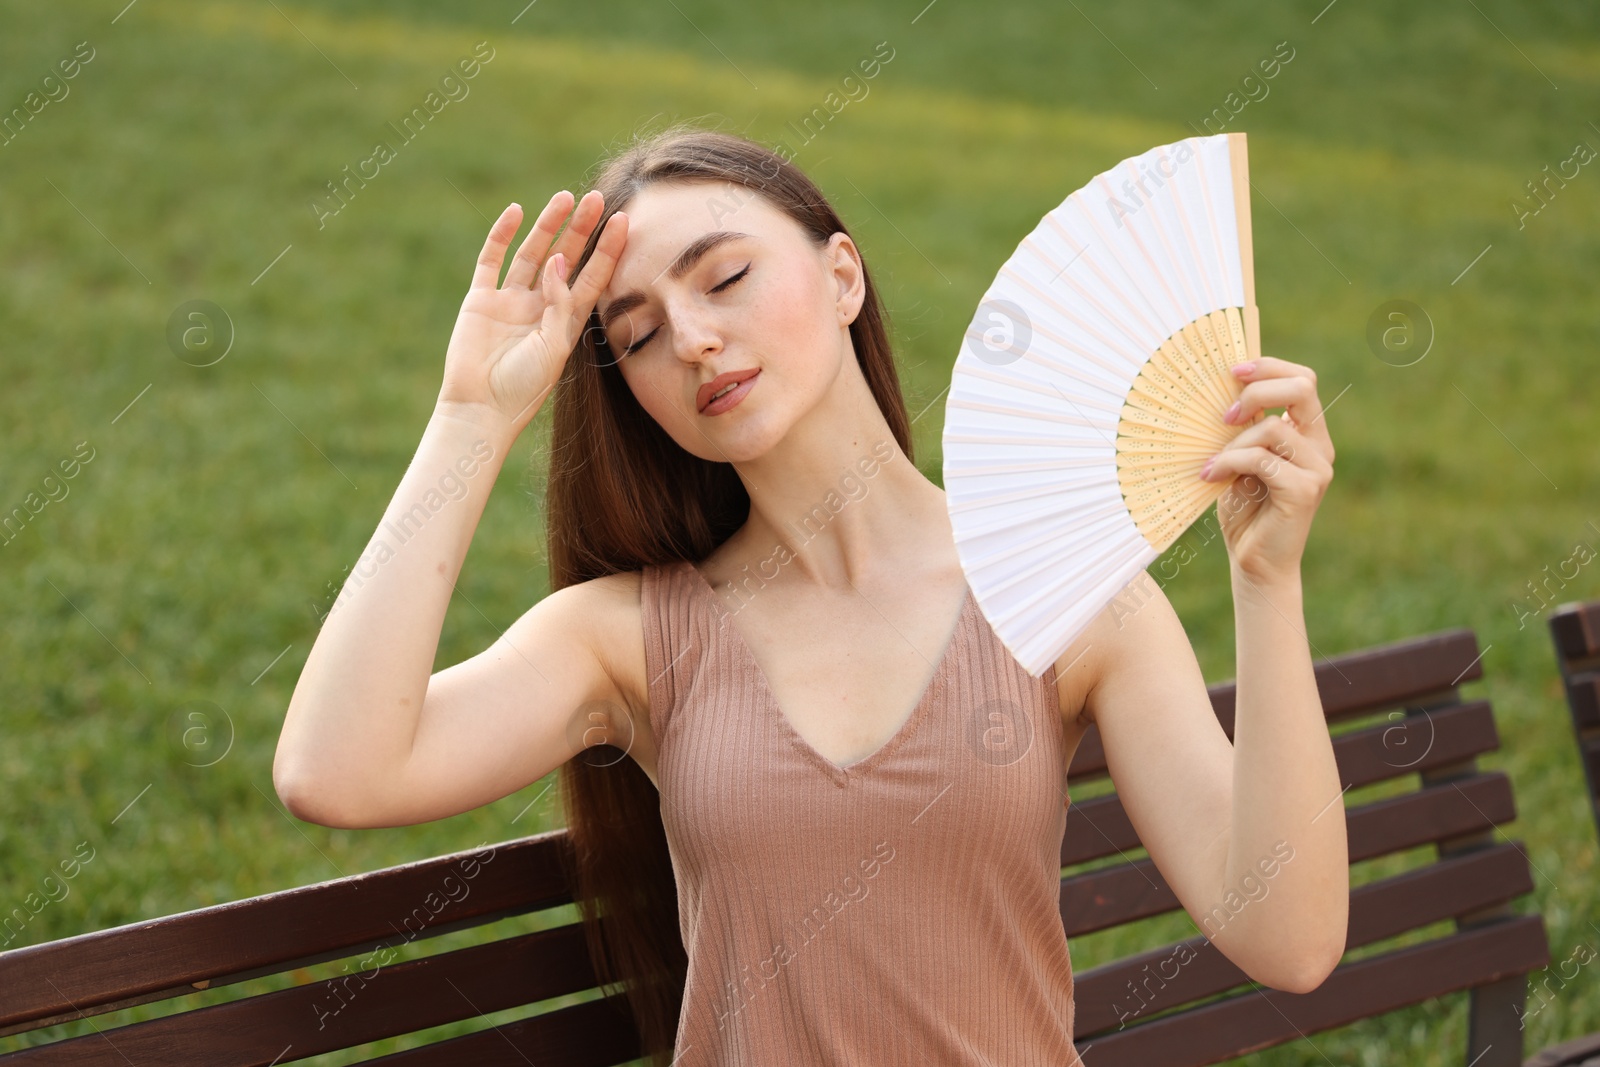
{"points": [[511, 342]]}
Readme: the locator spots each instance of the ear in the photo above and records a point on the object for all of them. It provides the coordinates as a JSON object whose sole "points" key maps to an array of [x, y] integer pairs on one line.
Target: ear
{"points": [[844, 265]]}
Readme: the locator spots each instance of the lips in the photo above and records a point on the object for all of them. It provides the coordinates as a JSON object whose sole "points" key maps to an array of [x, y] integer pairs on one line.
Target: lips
{"points": [[722, 381]]}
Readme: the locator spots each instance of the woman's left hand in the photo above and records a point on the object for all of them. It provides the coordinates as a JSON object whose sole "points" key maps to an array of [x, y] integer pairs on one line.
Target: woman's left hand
{"points": [[1281, 466]]}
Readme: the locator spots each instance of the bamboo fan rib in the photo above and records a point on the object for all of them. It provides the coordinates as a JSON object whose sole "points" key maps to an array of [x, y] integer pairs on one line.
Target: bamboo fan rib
{"points": [[1090, 389]]}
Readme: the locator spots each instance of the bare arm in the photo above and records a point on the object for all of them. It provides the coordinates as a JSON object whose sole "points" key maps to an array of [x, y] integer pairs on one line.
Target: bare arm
{"points": [[1250, 836], [370, 739], [1243, 833], [348, 754]]}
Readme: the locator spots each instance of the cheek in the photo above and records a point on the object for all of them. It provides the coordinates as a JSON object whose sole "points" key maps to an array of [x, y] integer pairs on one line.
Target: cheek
{"points": [[794, 307], [655, 384], [794, 328]]}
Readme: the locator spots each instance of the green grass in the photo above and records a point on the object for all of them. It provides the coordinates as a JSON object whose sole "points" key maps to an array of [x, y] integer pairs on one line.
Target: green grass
{"points": [[218, 507]]}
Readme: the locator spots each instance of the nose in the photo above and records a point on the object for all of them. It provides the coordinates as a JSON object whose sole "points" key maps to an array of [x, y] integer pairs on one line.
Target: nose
{"points": [[696, 332]]}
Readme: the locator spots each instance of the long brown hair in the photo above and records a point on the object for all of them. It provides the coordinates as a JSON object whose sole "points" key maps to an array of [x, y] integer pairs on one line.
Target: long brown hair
{"points": [[622, 494]]}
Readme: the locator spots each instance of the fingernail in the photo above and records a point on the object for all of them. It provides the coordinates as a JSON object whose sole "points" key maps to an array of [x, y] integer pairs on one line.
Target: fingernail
{"points": [[558, 264], [1232, 413], [1242, 369], [1205, 472]]}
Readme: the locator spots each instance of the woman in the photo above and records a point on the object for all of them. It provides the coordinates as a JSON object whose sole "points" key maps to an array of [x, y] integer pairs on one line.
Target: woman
{"points": [[835, 834]]}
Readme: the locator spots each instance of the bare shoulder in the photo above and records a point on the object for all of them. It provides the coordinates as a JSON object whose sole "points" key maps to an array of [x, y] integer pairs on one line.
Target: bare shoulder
{"points": [[1118, 635], [608, 610], [563, 677]]}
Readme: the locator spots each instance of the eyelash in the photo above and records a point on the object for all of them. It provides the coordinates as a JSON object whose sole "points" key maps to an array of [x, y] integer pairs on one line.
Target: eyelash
{"points": [[631, 349]]}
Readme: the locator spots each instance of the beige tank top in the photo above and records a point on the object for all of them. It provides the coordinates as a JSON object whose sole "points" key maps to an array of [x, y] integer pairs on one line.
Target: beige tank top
{"points": [[901, 910]]}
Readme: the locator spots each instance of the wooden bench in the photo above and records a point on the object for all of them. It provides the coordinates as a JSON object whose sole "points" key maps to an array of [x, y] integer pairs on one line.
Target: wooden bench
{"points": [[1575, 628], [358, 916], [1421, 727]]}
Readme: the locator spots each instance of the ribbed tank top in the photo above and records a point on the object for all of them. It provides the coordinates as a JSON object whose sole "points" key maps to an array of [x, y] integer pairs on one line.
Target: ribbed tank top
{"points": [[901, 910]]}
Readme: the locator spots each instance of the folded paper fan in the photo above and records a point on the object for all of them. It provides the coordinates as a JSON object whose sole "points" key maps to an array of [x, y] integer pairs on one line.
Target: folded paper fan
{"points": [[1090, 388]]}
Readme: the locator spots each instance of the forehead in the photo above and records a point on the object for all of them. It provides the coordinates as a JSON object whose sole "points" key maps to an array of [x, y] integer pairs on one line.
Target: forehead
{"points": [[665, 217]]}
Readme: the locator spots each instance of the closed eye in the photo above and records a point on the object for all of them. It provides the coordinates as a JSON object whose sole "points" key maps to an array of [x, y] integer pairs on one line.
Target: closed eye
{"points": [[732, 280], [631, 349]]}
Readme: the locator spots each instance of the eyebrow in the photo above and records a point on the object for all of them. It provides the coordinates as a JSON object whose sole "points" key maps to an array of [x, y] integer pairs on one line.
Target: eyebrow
{"points": [[685, 262]]}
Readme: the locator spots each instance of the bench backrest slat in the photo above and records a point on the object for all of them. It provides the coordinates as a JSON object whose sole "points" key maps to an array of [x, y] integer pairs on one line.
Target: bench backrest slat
{"points": [[275, 932], [1415, 671], [1125, 892], [584, 1035], [1437, 738], [1264, 1017], [1139, 986], [1575, 628], [321, 1017]]}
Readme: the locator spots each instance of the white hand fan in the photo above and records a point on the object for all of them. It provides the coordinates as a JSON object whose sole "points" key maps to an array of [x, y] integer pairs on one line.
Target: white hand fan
{"points": [[1091, 386]]}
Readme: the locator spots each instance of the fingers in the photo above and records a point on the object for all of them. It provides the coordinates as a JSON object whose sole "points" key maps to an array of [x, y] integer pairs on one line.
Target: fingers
{"points": [[534, 246], [1278, 471], [1280, 383], [486, 275], [552, 282], [602, 262], [1276, 445], [1281, 436], [1297, 394], [584, 220], [555, 325]]}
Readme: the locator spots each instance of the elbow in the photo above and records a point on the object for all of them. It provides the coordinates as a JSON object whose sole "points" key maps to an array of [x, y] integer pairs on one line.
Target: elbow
{"points": [[1305, 977], [295, 794], [316, 790], [1309, 952], [1305, 970], [307, 800]]}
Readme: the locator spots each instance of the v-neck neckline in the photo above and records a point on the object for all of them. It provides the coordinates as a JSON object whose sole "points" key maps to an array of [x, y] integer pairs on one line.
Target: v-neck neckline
{"points": [[841, 773]]}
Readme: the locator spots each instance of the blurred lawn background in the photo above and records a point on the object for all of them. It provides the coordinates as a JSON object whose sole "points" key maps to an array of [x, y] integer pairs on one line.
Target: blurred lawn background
{"points": [[185, 572]]}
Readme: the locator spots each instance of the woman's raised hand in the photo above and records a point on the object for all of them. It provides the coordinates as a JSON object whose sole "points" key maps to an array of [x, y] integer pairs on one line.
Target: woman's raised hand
{"points": [[511, 341], [1279, 469]]}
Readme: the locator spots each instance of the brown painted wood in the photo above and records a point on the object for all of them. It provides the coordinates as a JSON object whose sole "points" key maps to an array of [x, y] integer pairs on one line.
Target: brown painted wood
{"points": [[1116, 994], [585, 1035], [1415, 671], [1099, 827], [218, 945], [1579, 1052], [350, 1010], [1124, 892], [1589, 751], [1576, 628], [1494, 1022], [1583, 697], [596, 1033], [1264, 1017]]}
